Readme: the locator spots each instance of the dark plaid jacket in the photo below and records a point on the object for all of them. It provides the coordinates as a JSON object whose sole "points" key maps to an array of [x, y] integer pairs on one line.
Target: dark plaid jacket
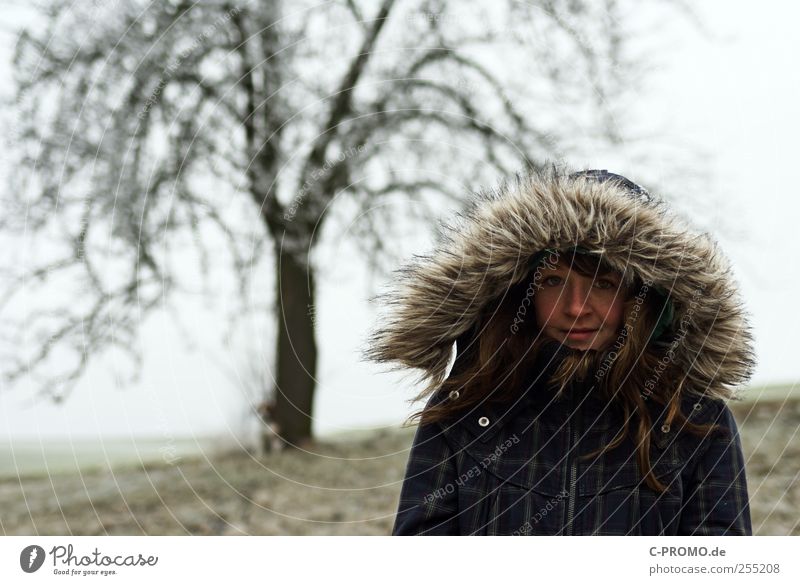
{"points": [[513, 469]]}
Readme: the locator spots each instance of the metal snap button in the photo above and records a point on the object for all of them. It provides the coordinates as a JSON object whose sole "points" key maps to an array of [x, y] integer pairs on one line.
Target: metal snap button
{"points": [[483, 421], [453, 394], [664, 428]]}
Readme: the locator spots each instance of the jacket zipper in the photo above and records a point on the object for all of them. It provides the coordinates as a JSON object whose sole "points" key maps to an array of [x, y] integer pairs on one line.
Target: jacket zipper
{"points": [[572, 461], [573, 479]]}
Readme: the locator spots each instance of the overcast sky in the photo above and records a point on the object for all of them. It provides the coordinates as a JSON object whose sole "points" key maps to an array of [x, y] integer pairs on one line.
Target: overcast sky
{"points": [[734, 96]]}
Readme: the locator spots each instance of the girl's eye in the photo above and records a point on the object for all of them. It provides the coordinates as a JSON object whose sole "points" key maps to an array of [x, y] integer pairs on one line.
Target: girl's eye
{"points": [[605, 284], [552, 281]]}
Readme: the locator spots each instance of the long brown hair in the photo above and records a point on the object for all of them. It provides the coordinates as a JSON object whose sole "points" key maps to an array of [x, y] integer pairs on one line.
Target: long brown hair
{"points": [[506, 341]]}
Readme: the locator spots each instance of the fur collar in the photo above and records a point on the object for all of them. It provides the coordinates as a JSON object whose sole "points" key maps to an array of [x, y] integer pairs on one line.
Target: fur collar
{"points": [[436, 298]]}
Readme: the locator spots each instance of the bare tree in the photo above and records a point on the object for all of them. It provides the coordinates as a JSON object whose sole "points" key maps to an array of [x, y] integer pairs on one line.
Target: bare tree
{"points": [[244, 127]]}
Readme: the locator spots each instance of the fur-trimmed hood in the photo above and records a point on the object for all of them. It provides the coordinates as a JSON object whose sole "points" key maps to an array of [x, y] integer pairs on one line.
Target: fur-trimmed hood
{"points": [[435, 299]]}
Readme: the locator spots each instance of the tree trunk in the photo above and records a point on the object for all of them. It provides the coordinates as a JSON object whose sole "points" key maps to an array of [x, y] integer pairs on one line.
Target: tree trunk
{"points": [[296, 350]]}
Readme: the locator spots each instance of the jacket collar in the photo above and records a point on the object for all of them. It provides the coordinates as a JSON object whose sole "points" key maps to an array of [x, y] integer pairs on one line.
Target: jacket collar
{"points": [[539, 397]]}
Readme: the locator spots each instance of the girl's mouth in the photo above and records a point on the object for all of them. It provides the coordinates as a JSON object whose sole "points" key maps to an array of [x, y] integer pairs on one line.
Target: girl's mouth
{"points": [[580, 334]]}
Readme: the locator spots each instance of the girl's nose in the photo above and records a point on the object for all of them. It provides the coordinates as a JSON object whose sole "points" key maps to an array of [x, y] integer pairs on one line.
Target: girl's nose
{"points": [[575, 301]]}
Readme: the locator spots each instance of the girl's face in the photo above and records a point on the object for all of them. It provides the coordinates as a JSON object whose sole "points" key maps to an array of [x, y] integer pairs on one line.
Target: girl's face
{"points": [[581, 312]]}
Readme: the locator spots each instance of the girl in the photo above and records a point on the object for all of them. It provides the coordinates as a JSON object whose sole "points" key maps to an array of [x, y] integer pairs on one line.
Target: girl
{"points": [[596, 342]]}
